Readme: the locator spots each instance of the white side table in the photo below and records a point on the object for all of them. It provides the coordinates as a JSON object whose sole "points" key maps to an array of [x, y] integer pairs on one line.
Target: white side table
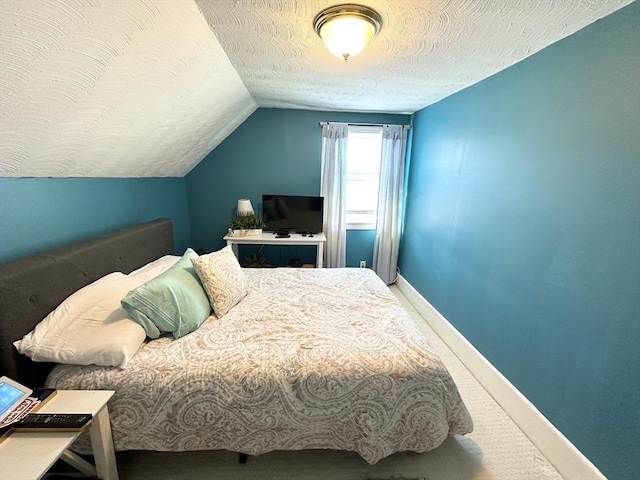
{"points": [[268, 238], [28, 456]]}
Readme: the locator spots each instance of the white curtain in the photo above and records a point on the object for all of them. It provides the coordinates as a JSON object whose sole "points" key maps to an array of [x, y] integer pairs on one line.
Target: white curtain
{"points": [[333, 188], [390, 197]]}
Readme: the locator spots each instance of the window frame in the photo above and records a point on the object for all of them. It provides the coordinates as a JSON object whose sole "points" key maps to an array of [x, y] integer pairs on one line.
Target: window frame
{"points": [[350, 223]]}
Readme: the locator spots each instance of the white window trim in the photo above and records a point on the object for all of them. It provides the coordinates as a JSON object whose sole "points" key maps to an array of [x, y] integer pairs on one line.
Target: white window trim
{"points": [[351, 225], [361, 226]]}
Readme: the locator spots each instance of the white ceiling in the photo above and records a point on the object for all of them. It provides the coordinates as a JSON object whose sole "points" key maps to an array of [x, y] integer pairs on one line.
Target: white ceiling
{"points": [[147, 88], [425, 51]]}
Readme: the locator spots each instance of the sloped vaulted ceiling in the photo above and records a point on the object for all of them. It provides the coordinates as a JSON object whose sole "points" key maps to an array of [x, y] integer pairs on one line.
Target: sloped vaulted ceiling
{"points": [[112, 88], [147, 88]]}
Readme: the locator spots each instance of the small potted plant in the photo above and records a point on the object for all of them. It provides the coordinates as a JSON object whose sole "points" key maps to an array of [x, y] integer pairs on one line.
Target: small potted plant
{"points": [[246, 224]]}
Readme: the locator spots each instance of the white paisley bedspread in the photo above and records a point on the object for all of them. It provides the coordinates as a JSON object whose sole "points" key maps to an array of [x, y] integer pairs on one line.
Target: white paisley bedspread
{"points": [[310, 359]]}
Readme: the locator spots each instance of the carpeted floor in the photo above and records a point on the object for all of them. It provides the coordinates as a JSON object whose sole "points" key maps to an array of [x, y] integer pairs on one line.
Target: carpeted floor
{"points": [[496, 450]]}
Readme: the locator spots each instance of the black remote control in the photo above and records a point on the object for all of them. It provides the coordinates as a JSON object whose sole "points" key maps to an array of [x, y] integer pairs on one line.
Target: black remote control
{"points": [[70, 422]]}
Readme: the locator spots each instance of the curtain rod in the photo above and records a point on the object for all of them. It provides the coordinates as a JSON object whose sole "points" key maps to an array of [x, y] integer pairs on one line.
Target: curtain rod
{"points": [[322, 124]]}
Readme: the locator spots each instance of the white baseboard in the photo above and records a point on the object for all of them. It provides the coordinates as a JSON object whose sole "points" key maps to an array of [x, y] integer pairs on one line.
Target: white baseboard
{"points": [[560, 452]]}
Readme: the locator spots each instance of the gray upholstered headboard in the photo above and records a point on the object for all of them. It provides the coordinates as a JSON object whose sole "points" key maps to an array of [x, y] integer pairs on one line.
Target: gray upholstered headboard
{"points": [[33, 286]]}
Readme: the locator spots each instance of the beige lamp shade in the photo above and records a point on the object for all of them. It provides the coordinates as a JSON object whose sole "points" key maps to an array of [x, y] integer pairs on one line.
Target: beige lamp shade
{"points": [[244, 207]]}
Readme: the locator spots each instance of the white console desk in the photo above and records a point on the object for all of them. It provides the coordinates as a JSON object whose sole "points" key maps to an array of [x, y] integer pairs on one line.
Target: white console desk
{"points": [[269, 238], [28, 455]]}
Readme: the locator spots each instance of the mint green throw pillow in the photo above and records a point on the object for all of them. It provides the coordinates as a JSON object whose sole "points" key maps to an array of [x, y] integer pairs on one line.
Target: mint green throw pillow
{"points": [[174, 301]]}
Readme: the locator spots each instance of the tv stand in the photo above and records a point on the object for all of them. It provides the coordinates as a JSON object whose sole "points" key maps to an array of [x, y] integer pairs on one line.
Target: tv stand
{"points": [[268, 238]]}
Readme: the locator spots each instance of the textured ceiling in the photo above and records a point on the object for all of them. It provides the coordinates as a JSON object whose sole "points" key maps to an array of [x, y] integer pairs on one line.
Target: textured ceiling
{"points": [[112, 88], [426, 49], [144, 88]]}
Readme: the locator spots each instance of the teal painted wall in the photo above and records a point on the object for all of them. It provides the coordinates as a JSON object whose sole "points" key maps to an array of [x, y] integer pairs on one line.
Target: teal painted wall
{"points": [[41, 213], [273, 151], [360, 247], [523, 230]]}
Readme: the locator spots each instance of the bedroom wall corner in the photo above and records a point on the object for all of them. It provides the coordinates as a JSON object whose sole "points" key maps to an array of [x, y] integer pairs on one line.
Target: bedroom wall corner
{"points": [[274, 151]]}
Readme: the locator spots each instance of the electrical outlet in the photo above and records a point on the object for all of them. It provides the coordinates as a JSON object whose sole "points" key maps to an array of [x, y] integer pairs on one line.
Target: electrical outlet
{"points": [[363, 264]]}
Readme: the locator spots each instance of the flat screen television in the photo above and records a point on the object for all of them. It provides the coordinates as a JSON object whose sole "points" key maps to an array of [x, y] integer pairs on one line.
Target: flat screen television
{"points": [[296, 213]]}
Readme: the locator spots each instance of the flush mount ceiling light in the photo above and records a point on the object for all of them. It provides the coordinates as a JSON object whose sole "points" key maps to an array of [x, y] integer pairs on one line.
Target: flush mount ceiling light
{"points": [[347, 28]]}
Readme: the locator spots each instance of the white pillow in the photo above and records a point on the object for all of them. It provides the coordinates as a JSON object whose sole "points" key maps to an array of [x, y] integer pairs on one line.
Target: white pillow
{"points": [[222, 279], [89, 327], [155, 268]]}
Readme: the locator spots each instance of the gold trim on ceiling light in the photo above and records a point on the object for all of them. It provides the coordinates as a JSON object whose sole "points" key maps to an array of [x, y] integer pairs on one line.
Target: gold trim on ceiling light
{"points": [[346, 29]]}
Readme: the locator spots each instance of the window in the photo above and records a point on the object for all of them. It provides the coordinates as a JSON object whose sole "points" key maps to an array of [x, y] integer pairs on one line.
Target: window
{"points": [[364, 147]]}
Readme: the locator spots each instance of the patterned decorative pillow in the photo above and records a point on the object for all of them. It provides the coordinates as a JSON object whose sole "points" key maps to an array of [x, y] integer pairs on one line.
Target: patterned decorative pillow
{"points": [[222, 278]]}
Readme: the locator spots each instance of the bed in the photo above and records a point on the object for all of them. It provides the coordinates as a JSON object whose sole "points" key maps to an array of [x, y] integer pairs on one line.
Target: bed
{"points": [[308, 359]]}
